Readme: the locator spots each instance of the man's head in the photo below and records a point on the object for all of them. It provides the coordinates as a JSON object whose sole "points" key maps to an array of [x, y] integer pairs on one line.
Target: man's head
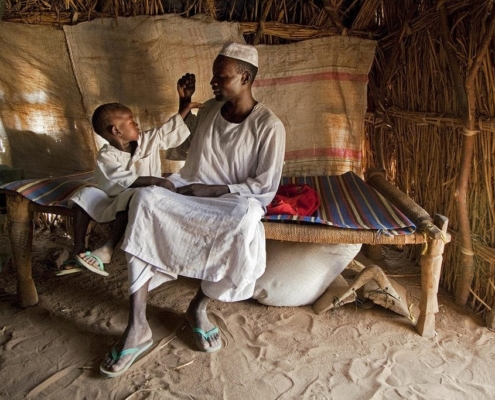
{"points": [[234, 70], [115, 120]]}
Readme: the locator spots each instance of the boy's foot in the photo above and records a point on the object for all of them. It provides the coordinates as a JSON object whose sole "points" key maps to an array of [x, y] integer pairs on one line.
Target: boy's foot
{"points": [[103, 253], [97, 269], [69, 266]]}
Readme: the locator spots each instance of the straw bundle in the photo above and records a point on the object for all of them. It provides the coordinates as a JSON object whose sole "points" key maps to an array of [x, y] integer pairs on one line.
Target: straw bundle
{"points": [[416, 109]]}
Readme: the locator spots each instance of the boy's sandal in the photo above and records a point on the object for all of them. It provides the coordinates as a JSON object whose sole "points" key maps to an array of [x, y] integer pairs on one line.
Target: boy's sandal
{"points": [[100, 270], [69, 271]]}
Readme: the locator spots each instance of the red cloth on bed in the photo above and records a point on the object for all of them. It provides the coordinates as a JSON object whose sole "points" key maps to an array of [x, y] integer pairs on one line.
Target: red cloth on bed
{"points": [[294, 199]]}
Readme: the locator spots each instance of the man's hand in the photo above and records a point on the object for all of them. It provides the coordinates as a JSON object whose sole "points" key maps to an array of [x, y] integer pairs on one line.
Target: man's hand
{"points": [[186, 86], [200, 190]]}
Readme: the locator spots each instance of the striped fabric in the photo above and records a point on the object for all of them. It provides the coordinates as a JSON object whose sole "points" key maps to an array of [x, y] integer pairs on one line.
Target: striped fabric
{"points": [[51, 191], [349, 202], [346, 201], [318, 88]]}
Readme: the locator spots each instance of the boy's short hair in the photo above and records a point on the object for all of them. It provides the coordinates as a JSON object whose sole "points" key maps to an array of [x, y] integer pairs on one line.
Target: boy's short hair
{"points": [[103, 116]]}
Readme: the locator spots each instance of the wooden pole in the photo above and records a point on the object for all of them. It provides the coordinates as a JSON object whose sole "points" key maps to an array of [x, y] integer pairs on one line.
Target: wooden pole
{"points": [[20, 220], [467, 104], [431, 268], [334, 16], [261, 27]]}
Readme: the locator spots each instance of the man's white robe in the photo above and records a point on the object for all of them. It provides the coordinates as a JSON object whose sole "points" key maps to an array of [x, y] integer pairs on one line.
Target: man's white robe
{"points": [[218, 240]]}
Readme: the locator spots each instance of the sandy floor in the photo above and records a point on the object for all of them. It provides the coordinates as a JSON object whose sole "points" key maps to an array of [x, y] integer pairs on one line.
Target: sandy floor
{"points": [[53, 350]]}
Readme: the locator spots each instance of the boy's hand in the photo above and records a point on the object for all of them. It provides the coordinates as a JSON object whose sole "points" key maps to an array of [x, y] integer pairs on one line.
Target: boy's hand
{"points": [[165, 183], [186, 86], [200, 190]]}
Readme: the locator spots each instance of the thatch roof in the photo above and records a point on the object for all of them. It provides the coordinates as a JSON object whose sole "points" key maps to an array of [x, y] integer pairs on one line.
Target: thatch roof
{"points": [[431, 104]]}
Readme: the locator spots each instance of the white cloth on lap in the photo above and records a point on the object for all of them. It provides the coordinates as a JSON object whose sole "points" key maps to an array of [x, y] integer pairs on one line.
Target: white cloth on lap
{"points": [[218, 240]]}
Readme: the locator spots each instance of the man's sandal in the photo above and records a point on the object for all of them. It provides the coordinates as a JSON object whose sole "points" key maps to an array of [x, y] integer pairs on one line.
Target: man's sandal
{"points": [[206, 336], [116, 356]]}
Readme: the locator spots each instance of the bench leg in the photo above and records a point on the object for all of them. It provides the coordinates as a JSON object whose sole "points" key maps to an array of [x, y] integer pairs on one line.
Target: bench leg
{"points": [[431, 267], [21, 238]]}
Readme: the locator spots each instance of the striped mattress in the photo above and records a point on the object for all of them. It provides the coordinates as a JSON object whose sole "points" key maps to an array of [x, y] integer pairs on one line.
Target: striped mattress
{"points": [[346, 201], [349, 202], [51, 191]]}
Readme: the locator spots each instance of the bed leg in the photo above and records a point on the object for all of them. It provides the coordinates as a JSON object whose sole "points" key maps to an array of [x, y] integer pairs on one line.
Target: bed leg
{"points": [[21, 238], [431, 267], [374, 251]]}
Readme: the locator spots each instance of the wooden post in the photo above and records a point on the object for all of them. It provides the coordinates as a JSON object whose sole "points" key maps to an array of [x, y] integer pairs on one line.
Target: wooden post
{"points": [[373, 251], [431, 267], [20, 220], [490, 318]]}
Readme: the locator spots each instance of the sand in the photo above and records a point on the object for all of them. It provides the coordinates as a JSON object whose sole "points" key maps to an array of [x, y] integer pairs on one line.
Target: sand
{"points": [[53, 350]]}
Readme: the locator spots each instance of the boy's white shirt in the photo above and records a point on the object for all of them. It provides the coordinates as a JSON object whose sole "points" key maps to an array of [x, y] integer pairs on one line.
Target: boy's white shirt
{"points": [[116, 170]]}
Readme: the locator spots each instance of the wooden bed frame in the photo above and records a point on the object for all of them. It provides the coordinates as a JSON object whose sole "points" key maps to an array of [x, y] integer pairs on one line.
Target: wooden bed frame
{"points": [[431, 232]]}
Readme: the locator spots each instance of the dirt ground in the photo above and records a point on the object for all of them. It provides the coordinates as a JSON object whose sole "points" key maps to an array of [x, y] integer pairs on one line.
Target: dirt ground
{"points": [[53, 350]]}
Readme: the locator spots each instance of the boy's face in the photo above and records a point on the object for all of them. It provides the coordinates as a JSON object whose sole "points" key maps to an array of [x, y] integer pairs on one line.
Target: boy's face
{"points": [[128, 128]]}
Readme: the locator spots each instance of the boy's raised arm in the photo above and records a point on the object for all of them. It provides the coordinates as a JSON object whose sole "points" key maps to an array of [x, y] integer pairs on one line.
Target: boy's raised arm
{"points": [[186, 86]]}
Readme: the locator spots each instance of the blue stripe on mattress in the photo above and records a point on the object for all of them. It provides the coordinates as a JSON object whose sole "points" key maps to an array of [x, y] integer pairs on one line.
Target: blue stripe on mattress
{"points": [[51, 191], [349, 202], [346, 201]]}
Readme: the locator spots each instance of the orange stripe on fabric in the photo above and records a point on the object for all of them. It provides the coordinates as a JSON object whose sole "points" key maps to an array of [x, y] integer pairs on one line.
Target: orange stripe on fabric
{"points": [[323, 152], [320, 76]]}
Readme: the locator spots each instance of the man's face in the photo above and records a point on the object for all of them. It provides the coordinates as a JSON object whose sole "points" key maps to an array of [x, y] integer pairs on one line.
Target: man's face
{"points": [[125, 123], [226, 82]]}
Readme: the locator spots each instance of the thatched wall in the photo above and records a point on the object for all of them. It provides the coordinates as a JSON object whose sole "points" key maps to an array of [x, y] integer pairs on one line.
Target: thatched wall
{"points": [[418, 103]]}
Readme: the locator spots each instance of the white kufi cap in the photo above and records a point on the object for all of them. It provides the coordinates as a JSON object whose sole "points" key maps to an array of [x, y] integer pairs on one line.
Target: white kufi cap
{"points": [[239, 51]]}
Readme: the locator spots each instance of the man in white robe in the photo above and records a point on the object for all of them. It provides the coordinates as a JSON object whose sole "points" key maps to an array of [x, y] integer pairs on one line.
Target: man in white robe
{"points": [[210, 229]]}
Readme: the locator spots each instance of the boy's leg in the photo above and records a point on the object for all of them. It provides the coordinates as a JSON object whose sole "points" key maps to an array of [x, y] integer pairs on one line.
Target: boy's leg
{"points": [[81, 222], [198, 318], [137, 332], [105, 252]]}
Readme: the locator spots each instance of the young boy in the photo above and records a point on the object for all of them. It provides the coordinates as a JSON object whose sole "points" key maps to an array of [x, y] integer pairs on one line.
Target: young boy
{"points": [[130, 160]]}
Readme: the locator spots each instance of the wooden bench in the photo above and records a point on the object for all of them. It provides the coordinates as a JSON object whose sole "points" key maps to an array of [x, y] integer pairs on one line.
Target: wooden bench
{"points": [[431, 232]]}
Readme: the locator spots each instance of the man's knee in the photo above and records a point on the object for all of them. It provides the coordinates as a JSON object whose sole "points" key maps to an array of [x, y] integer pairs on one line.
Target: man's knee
{"points": [[140, 196]]}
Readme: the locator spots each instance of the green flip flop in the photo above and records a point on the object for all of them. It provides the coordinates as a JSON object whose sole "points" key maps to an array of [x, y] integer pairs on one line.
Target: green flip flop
{"points": [[100, 270], [135, 351], [206, 336], [69, 271]]}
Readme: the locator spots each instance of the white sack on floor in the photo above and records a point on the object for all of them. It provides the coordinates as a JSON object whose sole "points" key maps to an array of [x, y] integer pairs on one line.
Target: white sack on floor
{"points": [[298, 273]]}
